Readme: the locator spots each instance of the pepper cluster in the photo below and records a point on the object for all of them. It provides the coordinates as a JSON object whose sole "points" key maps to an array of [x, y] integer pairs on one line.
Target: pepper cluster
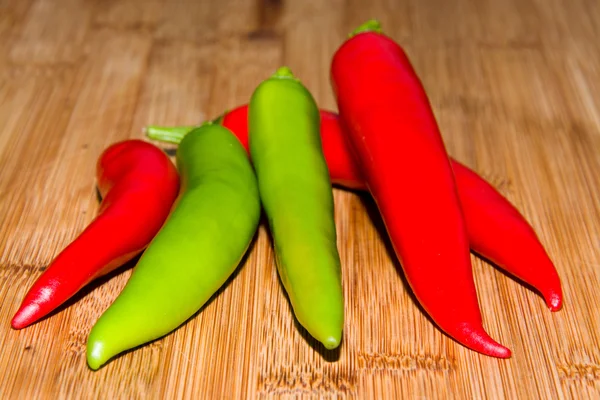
{"points": [[282, 153]]}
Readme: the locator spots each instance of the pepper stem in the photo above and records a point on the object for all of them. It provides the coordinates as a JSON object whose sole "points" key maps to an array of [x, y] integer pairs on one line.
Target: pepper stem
{"points": [[174, 134], [285, 73], [371, 25], [170, 134]]}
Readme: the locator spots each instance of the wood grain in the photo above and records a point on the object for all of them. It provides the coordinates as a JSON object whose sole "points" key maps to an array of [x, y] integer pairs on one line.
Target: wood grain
{"points": [[515, 86]]}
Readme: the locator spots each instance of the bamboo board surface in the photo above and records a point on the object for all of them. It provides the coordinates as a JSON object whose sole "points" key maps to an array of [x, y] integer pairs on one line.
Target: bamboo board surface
{"points": [[515, 86]]}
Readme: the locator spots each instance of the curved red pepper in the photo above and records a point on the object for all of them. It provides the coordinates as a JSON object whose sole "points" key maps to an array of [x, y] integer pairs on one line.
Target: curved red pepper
{"points": [[499, 233], [393, 134], [496, 229], [138, 184]]}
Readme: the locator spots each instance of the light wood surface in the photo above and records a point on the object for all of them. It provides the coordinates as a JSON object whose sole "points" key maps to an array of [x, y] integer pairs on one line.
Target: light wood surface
{"points": [[515, 86]]}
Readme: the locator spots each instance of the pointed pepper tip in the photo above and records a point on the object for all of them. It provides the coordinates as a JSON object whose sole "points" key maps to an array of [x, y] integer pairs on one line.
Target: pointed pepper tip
{"points": [[25, 316]]}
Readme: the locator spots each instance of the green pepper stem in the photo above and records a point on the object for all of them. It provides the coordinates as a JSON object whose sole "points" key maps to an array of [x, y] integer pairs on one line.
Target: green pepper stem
{"points": [[170, 134], [371, 25], [174, 134], [285, 73]]}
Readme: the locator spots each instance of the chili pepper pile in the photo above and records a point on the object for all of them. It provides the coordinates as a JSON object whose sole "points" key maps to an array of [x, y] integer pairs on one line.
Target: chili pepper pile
{"points": [[193, 223]]}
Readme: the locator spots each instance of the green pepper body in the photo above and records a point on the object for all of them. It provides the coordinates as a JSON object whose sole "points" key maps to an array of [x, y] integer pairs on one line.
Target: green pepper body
{"points": [[296, 194], [197, 249]]}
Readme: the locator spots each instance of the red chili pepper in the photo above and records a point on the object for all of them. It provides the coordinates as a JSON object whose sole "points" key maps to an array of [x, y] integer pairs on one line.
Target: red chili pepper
{"points": [[499, 233], [393, 133], [138, 184]]}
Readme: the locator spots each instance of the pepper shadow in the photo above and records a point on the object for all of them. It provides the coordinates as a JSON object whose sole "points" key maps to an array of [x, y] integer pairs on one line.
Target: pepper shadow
{"points": [[170, 151], [332, 355], [373, 212]]}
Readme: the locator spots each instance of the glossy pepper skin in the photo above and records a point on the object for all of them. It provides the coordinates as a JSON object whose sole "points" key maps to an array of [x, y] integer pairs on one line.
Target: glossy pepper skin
{"points": [[296, 194], [138, 184], [198, 248], [396, 141], [496, 229], [499, 233]]}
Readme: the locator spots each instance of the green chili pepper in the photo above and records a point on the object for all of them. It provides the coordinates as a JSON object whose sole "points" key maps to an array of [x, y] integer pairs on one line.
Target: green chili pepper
{"points": [[198, 248], [295, 190]]}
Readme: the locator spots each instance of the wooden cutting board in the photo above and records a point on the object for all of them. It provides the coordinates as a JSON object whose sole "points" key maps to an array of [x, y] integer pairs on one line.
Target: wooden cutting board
{"points": [[515, 86]]}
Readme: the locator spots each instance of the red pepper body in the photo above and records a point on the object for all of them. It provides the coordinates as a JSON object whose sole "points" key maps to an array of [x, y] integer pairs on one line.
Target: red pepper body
{"points": [[496, 229], [499, 233], [394, 136], [138, 184]]}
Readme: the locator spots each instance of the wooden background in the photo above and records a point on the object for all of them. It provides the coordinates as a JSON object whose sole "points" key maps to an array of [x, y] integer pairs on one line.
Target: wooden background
{"points": [[515, 86]]}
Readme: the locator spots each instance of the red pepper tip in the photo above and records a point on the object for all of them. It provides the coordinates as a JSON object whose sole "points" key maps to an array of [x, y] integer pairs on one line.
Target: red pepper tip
{"points": [[554, 301], [477, 339], [371, 25], [25, 316], [497, 350]]}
